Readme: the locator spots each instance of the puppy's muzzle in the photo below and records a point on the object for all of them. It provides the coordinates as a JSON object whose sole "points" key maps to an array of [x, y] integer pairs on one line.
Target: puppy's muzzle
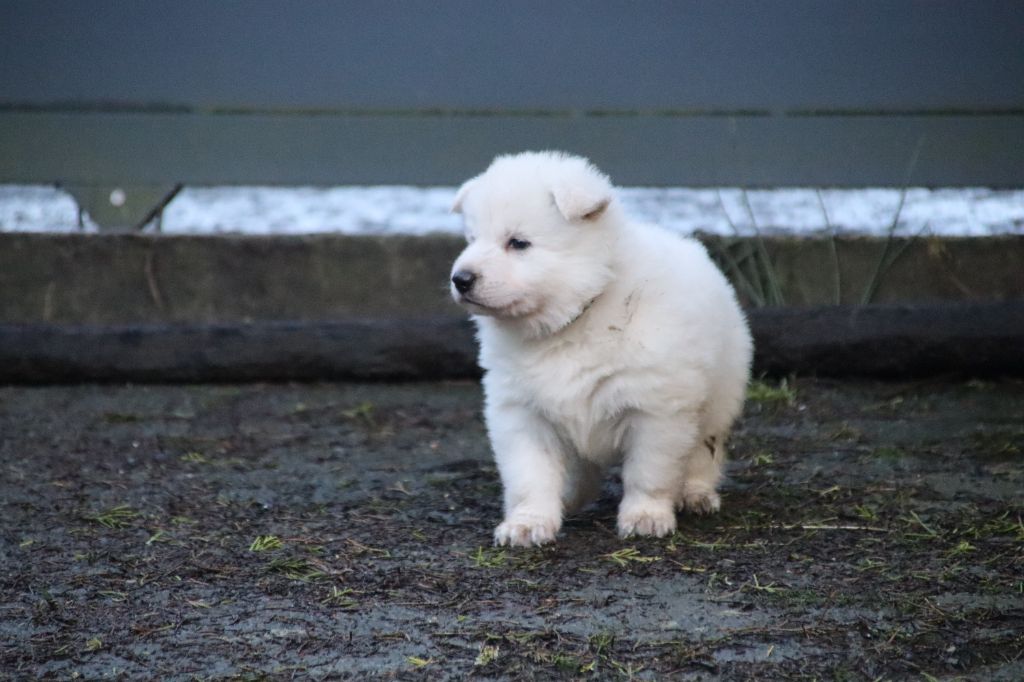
{"points": [[463, 281]]}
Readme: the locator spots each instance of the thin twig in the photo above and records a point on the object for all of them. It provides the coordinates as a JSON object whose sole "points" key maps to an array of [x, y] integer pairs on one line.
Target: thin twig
{"points": [[881, 268], [837, 275], [741, 279], [871, 529], [775, 292], [749, 281], [816, 526], [158, 209], [154, 288], [903, 247]]}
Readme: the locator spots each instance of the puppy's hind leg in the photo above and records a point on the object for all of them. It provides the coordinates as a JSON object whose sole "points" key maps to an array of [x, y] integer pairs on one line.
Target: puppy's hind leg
{"points": [[652, 473], [698, 493]]}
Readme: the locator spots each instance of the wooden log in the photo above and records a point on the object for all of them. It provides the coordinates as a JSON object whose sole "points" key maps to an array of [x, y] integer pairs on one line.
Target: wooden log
{"points": [[398, 349], [891, 341], [976, 339]]}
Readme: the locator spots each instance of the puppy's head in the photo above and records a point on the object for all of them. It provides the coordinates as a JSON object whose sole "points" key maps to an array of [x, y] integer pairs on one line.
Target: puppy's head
{"points": [[539, 232]]}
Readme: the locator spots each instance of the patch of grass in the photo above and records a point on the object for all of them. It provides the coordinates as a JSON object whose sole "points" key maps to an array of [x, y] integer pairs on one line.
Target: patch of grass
{"points": [[601, 642], [530, 559], [339, 597], [295, 568], [157, 537], [755, 586], [963, 547], [760, 391], [928, 534], [803, 598], [747, 261], [488, 654], [441, 480], [894, 404], [489, 558], [565, 661], [890, 252], [889, 453], [627, 670], [194, 458], [359, 549], [417, 662], [889, 256], [762, 459], [749, 519], [831, 491], [998, 444], [628, 555], [717, 544], [121, 418], [846, 432], [266, 543], [362, 413], [94, 644], [1005, 524], [837, 277], [114, 595], [120, 516], [521, 637], [865, 512]]}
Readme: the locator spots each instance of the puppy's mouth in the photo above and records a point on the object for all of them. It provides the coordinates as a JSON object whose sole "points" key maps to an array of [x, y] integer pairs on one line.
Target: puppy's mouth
{"points": [[469, 301], [480, 307], [508, 310]]}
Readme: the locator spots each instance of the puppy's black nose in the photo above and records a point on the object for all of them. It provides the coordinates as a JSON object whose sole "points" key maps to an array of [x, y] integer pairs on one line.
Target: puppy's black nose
{"points": [[463, 280]]}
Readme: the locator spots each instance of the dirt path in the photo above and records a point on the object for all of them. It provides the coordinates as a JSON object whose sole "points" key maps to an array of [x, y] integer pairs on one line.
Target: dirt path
{"points": [[869, 531]]}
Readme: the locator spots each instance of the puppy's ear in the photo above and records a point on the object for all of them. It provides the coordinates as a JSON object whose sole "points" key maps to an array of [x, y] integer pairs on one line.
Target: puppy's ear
{"points": [[577, 203], [460, 195]]}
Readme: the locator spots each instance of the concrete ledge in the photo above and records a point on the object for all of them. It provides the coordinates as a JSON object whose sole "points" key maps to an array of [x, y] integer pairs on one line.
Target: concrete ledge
{"points": [[884, 341], [86, 279], [106, 279], [238, 308]]}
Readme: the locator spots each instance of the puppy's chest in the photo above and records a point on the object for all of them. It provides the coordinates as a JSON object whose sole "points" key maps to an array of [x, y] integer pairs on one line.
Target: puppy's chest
{"points": [[586, 402]]}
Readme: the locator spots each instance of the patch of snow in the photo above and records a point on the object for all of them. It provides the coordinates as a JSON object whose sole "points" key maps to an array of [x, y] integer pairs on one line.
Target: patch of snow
{"points": [[34, 208], [422, 210]]}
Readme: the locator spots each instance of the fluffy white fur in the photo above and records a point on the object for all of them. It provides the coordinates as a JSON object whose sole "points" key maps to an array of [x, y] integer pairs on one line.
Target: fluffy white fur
{"points": [[603, 340]]}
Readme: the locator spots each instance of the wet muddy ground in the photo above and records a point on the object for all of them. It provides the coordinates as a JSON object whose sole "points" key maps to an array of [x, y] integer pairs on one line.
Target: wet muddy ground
{"points": [[869, 531]]}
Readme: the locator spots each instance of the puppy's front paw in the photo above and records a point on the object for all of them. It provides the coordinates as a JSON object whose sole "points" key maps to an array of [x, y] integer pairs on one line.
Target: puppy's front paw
{"points": [[526, 530], [648, 517], [700, 499]]}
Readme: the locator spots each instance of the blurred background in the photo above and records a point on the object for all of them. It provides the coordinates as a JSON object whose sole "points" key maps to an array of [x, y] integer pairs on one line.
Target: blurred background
{"points": [[188, 162], [121, 104]]}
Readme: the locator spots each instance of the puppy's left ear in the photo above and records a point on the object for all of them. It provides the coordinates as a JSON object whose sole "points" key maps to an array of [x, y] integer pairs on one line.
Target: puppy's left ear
{"points": [[581, 203], [460, 195]]}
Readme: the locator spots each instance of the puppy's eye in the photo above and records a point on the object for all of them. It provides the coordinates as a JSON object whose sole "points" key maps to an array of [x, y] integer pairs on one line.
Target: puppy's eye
{"points": [[517, 244]]}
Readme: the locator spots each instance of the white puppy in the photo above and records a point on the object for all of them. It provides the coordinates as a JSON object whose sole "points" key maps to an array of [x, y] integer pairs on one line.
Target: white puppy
{"points": [[602, 340]]}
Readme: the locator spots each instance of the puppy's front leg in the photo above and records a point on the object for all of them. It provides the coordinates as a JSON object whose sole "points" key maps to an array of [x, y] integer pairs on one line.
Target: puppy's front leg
{"points": [[652, 471], [532, 472]]}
